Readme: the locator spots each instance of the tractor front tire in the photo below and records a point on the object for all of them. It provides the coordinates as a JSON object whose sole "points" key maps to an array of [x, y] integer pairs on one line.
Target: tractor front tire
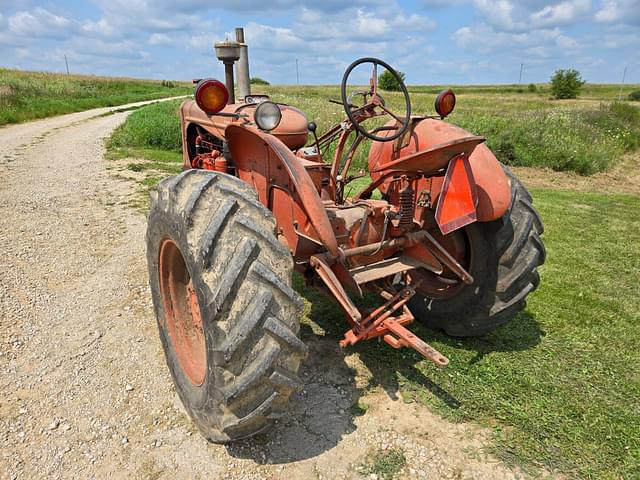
{"points": [[505, 255], [227, 316]]}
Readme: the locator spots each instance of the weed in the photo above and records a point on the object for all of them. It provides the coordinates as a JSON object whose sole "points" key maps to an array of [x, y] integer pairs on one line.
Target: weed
{"points": [[360, 408], [385, 463]]}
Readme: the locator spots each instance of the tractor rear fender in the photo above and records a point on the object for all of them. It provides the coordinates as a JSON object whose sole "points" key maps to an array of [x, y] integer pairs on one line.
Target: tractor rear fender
{"points": [[283, 186], [493, 187]]}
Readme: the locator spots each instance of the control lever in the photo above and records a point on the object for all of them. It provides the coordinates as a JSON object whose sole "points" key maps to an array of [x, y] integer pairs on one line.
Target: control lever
{"points": [[312, 128]]}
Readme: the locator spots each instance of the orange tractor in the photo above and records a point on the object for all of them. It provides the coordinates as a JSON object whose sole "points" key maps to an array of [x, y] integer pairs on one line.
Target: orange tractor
{"points": [[442, 232]]}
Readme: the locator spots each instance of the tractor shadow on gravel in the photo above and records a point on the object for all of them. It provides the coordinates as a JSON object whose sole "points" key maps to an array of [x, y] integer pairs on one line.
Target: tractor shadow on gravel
{"points": [[320, 414], [325, 410]]}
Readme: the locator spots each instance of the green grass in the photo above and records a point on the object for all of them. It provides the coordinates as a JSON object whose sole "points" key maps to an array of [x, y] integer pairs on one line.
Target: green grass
{"points": [[586, 136], [153, 128], [386, 464], [31, 95], [559, 386]]}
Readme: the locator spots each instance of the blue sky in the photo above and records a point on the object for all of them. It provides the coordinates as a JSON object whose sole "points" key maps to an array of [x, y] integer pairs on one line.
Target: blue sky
{"points": [[432, 41]]}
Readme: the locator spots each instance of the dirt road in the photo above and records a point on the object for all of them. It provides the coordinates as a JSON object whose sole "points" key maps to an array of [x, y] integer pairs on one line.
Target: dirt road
{"points": [[85, 391]]}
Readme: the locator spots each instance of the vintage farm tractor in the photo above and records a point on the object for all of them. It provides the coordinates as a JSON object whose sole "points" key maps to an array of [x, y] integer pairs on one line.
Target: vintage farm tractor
{"points": [[452, 239]]}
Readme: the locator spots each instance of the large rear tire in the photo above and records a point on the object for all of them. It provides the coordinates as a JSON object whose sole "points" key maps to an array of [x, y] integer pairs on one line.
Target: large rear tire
{"points": [[227, 316], [504, 257]]}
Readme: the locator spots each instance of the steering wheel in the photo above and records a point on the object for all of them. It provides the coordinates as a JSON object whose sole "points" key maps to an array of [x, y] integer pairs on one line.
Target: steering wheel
{"points": [[357, 114]]}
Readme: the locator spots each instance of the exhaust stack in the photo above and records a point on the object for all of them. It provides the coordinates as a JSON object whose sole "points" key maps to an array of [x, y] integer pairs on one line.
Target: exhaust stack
{"points": [[242, 72]]}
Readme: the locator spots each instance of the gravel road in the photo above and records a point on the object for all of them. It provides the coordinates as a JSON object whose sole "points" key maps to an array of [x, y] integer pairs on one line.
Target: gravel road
{"points": [[85, 391]]}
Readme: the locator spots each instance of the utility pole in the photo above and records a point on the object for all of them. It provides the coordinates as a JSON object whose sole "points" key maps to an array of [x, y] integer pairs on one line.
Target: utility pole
{"points": [[521, 67], [66, 63], [624, 74], [297, 73]]}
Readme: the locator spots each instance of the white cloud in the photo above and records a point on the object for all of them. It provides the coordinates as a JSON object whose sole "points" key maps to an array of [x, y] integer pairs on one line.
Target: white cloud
{"points": [[201, 42], [567, 43], [500, 13], [40, 23], [621, 40], [324, 36], [159, 39], [124, 50], [265, 37], [561, 13], [101, 28], [412, 22], [509, 15], [485, 39], [359, 25], [542, 52], [623, 11]]}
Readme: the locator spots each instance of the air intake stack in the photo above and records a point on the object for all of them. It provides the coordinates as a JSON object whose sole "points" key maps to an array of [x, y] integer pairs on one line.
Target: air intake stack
{"points": [[228, 52]]}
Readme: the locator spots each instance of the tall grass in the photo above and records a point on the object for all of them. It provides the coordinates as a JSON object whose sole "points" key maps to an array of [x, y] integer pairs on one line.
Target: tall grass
{"points": [[30, 95], [584, 141], [523, 130], [155, 126]]}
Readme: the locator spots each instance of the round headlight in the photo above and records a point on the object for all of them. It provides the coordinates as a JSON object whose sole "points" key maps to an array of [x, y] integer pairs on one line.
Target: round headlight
{"points": [[268, 116]]}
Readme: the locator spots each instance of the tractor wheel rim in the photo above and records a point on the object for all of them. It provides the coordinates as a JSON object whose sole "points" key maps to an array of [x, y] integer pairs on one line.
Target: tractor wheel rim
{"points": [[182, 313]]}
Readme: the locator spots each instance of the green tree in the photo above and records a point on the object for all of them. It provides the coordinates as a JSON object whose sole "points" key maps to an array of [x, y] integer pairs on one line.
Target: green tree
{"points": [[258, 81], [566, 83], [387, 81]]}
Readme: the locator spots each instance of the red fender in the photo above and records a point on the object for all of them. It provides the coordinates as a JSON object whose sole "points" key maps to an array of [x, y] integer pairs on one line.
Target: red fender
{"points": [[283, 185], [493, 187]]}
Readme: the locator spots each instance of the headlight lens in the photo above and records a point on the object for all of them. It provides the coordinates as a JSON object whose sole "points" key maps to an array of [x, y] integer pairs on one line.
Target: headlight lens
{"points": [[268, 116], [211, 95], [445, 102]]}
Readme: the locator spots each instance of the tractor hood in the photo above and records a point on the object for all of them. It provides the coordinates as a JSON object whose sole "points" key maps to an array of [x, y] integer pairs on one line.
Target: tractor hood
{"points": [[292, 130]]}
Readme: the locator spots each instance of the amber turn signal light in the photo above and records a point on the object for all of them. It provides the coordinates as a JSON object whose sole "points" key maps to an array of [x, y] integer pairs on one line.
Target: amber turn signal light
{"points": [[211, 95], [445, 102]]}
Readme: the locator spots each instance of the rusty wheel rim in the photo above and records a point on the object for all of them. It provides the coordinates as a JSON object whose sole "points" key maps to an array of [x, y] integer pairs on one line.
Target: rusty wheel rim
{"points": [[448, 284], [182, 312]]}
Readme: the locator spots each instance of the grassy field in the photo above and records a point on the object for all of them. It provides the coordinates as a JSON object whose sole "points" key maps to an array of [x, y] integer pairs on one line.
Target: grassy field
{"points": [[560, 386], [586, 135], [30, 95]]}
